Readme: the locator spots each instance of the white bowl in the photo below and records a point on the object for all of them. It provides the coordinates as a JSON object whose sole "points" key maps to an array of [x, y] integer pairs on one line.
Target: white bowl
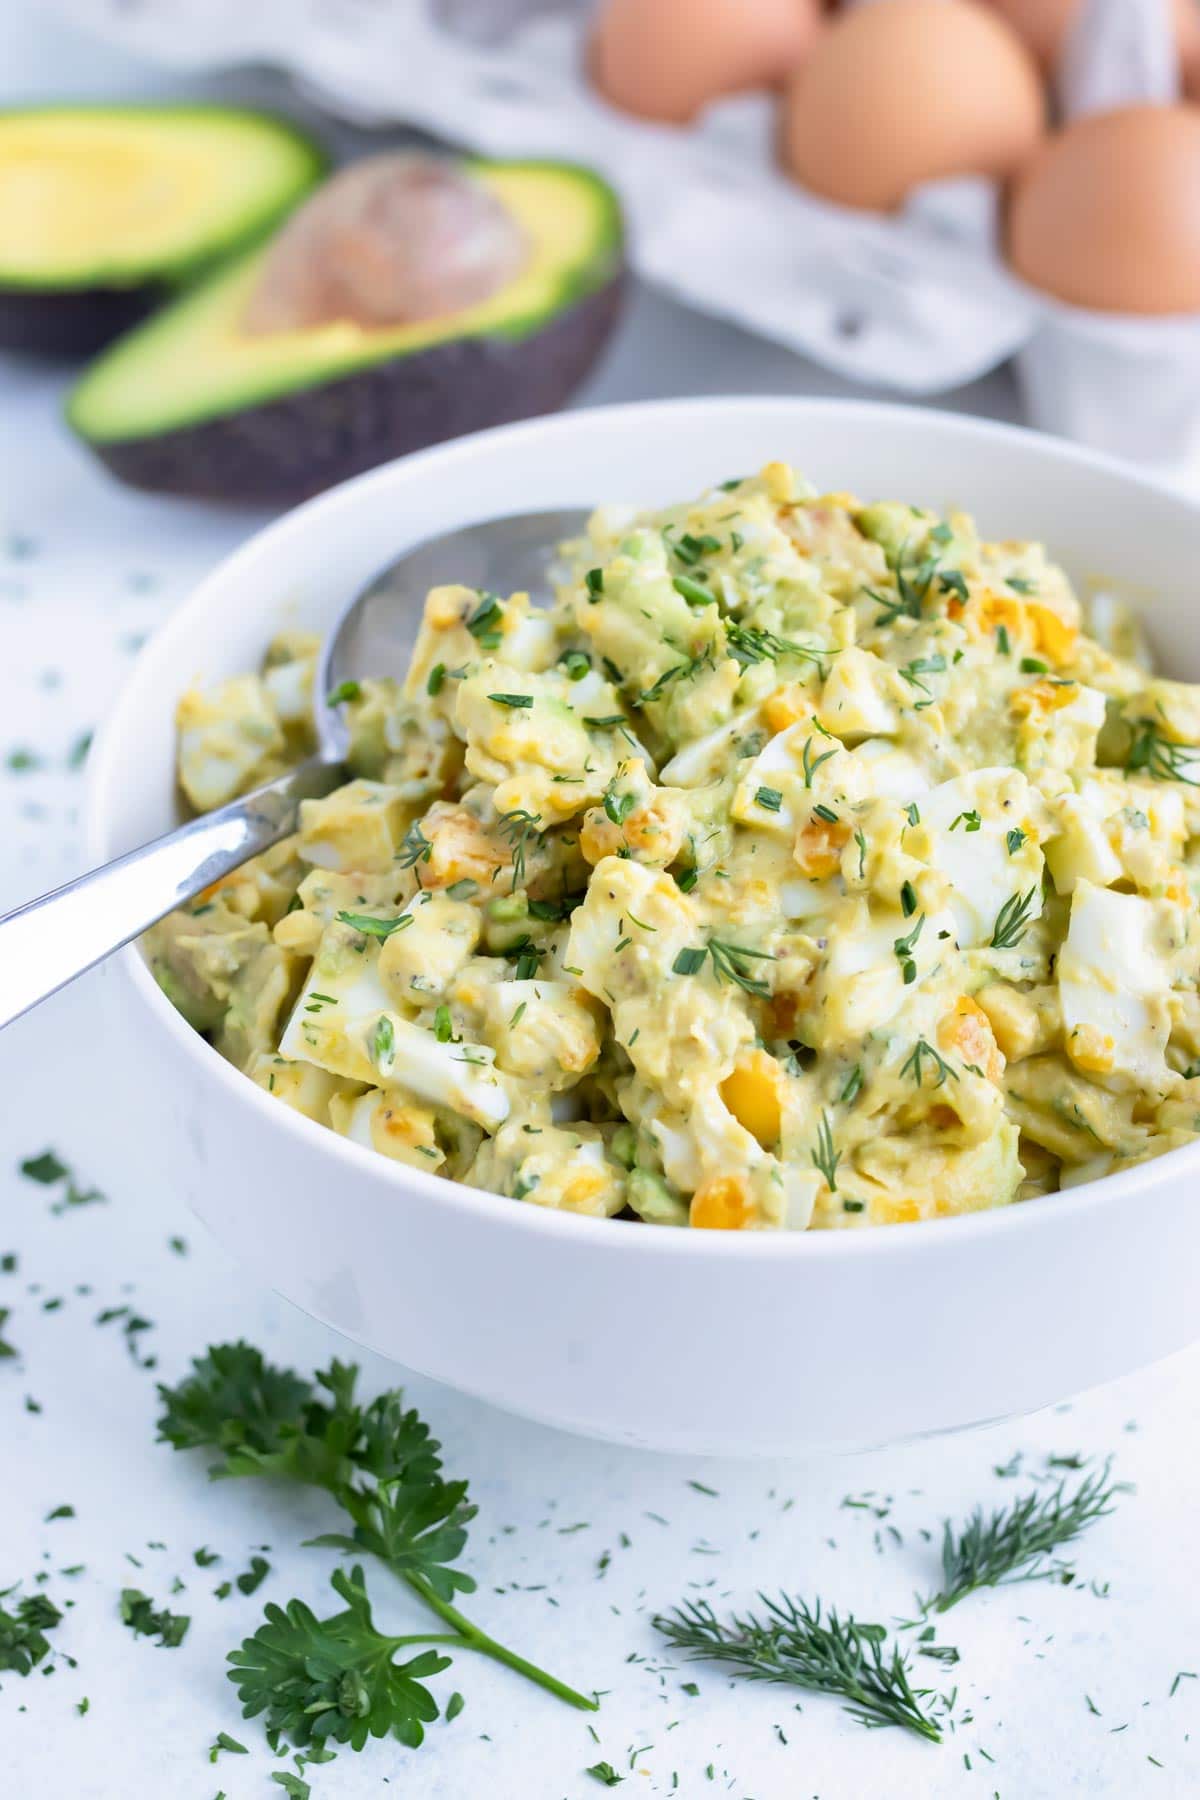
{"points": [[763, 1344]]}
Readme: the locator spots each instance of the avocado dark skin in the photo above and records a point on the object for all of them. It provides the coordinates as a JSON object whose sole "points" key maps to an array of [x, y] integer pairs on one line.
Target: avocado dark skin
{"points": [[283, 450], [61, 322]]}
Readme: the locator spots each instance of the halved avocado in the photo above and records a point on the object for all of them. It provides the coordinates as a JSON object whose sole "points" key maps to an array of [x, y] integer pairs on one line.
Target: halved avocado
{"points": [[194, 402], [106, 210]]}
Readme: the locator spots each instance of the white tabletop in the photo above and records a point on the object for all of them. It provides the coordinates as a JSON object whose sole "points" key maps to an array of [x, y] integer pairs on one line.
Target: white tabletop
{"points": [[1061, 1688]]}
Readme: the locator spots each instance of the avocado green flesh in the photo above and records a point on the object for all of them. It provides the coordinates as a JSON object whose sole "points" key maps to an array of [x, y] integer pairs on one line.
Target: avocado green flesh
{"points": [[109, 198], [194, 362]]}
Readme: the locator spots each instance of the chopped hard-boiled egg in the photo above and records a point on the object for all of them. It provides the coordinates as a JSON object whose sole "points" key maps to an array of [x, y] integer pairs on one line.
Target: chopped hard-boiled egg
{"points": [[806, 864]]}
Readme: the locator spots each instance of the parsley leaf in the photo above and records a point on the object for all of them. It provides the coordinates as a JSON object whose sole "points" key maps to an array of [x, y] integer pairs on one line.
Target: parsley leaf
{"points": [[316, 1680]]}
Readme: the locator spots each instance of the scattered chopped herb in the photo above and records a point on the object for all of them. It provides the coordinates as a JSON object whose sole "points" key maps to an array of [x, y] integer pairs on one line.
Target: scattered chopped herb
{"points": [[904, 947], [594, 581], [46, 1168], [693, 591], [223, 1741], [345, 690], [908, 899], [23, 1641], [293, 1787], [618, 807], [604, 724], [913, 813], [1032, 665], [1002, 640], [78, 753], [517, 701], [484, 621], [971, 820], [577, 663], [690, 549], [605, 1774], [770, 799], [376, 928], [659, 687], [252, 1578], [913, 671], [436, 681], [383, 1045], [1014, 839], [853, 1087], [825, 812], [144, 1619], [454, 1706], [825, 1157]]}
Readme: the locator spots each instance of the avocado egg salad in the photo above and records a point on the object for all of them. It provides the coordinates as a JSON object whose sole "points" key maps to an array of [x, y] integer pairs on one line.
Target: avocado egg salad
{"points": [[805, 864]]}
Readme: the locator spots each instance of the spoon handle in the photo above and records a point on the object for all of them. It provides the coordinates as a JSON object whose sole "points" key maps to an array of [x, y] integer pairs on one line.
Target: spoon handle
{"points": [[50, 941]]}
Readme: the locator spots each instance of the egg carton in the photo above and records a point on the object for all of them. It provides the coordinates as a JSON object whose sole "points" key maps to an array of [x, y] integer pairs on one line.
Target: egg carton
{"points": [[917, 302]]}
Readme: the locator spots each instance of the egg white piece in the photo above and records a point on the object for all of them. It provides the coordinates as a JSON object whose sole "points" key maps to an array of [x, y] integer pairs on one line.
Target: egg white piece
{"points": [[974, 857], [1108, 973]]}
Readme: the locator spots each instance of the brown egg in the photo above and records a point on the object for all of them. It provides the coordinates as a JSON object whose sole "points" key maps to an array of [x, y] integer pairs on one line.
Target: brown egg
{"points": [[667, 59], [1044, 25], [1107, 214], [905, 91]]}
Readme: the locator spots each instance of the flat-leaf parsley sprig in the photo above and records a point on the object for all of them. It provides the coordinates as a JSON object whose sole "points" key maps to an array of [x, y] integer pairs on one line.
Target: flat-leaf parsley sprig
{"points": [[798, 1644], [376, 1460]]}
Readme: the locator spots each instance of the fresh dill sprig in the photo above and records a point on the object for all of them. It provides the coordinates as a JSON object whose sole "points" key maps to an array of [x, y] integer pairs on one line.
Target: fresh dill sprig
{"points": [[519, 828], [1150, 753], [1012, 1543], [729, 964], [797, 1644], [913, 582], [812, 763], [825, 1157], [416, 847], [754, 644], [914, 1065], [1012, 921]]}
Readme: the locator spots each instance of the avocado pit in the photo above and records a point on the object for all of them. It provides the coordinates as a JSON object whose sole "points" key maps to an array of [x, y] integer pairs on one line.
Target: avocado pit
{"points": [[392, 240], [412, 301]]}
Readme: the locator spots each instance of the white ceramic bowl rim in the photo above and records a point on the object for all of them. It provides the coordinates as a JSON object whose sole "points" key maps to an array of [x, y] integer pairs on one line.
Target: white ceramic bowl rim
{"points": [[105, 772]]}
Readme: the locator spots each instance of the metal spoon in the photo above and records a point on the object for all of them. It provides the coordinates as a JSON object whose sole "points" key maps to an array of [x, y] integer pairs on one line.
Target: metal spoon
{"points": [[48, 942]]}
